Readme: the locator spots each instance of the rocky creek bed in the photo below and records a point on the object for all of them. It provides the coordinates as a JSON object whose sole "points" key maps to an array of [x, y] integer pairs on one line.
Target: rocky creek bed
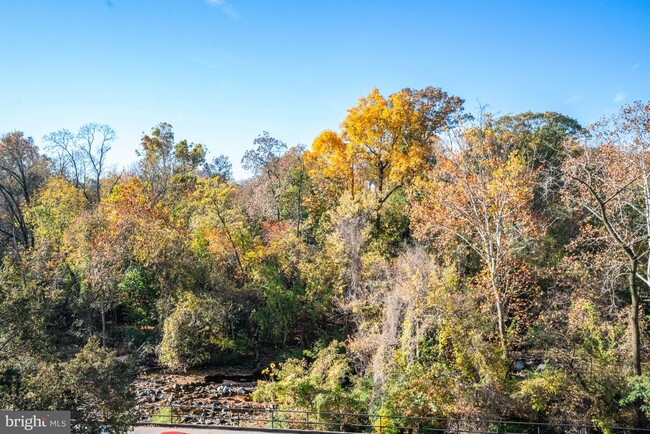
{"points": [[208, 397]]}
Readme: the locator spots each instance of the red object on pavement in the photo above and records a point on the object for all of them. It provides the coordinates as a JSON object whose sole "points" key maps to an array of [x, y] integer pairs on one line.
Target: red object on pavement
{"points": [[172, 432]]}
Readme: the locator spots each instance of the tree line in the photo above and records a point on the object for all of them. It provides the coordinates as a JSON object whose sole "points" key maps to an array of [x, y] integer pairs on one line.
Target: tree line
{"points": [[418, 261]]}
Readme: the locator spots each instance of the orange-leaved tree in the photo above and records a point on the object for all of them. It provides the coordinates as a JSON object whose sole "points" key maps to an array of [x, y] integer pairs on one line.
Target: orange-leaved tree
{"points": [[478, 195], [609, 182]]}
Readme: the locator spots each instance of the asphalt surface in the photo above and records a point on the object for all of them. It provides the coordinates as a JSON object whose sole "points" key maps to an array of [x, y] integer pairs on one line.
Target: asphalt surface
{"points": [[184, 430]]}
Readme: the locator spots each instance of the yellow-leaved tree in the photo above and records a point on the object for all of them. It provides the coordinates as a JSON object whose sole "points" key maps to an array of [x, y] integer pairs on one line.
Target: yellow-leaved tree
{"points": [[385, 142]]}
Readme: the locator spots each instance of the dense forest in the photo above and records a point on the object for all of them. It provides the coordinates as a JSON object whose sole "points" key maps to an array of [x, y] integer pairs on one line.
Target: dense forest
{"points": [[419, 261]]}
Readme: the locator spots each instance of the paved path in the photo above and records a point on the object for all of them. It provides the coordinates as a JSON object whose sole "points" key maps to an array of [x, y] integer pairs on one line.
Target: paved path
{"points": [[188, 430], [161, 429]]}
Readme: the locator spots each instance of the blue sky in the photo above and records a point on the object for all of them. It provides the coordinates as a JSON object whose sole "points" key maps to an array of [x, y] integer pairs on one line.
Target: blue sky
{"points": [[223, 71]]}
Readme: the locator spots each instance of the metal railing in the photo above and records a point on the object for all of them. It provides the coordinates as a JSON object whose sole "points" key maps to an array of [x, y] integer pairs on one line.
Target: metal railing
{"points": [[255, 417]]}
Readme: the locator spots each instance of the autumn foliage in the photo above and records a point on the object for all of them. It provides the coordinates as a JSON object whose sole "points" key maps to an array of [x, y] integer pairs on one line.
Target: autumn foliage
{"points": [[417, 261]]}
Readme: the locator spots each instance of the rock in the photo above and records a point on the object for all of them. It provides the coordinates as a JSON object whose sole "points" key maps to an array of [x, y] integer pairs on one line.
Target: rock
{"points": [[223, 390], [190, 395], [519, 365]]}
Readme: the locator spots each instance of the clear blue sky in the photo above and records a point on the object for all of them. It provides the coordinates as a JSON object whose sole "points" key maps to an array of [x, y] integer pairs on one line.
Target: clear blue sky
{"points": [[222, 71]]}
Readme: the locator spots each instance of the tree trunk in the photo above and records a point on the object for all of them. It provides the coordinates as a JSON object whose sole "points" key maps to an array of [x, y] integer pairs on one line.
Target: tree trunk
{"points": [[378, 220], [500, 320], [230, 238], [103, 326], [636, 337], [98, 189], [302, 171]]}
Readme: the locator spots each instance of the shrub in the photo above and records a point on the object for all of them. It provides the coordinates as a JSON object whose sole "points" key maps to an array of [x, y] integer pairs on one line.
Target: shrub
{"points": [[195, 333]]}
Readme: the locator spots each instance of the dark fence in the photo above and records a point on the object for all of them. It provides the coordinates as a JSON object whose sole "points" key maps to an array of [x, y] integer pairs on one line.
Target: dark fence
{"points": [[216, 415]]}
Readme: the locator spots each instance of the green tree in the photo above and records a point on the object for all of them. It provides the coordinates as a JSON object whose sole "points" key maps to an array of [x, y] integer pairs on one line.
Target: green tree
{"points": [[22, 171], [195, 333], [161, 158]]}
